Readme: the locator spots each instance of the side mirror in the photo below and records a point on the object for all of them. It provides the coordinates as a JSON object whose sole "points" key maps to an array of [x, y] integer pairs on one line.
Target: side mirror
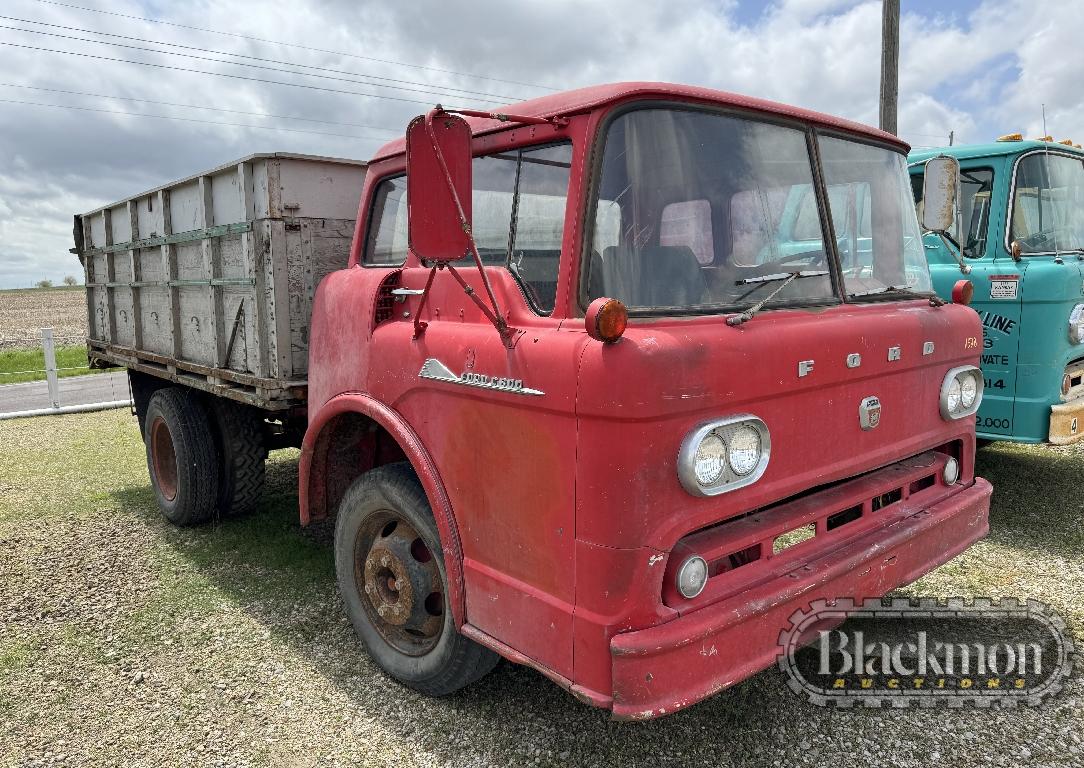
{"points": [[939, 185], [438, 153]]}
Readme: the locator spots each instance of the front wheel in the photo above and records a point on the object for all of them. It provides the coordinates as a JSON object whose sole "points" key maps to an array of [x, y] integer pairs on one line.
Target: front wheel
{"points": [[390, 569]]}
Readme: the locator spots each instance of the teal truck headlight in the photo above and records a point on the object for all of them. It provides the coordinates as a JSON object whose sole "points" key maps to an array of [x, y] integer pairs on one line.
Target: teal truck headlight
{"points": [[1076, 324], [961, 392]]}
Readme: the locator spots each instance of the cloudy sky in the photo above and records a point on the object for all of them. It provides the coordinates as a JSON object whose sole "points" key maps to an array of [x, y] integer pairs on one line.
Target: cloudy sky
{"points": [[79, 128]]}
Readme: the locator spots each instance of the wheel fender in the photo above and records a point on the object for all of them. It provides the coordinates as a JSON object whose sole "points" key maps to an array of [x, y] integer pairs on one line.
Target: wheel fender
{"points": [[313, 466]]}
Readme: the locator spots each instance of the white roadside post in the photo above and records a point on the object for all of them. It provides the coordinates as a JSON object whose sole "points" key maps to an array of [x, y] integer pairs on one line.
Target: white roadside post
{"points": [[50, 366]]}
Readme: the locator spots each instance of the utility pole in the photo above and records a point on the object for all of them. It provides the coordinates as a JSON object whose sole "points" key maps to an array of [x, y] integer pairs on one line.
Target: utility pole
{"points": [[890, 63]]}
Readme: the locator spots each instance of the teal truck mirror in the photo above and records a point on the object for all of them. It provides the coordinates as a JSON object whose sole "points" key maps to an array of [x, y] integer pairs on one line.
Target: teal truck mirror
{"points": [[939, 193], [940, 187]]}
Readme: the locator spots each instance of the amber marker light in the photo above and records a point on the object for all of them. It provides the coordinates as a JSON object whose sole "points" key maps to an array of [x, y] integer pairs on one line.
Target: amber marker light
{"points": [[963, 292], [606, 320]]}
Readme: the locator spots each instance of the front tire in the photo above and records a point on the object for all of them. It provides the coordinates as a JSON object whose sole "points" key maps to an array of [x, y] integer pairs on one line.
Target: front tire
{"points": [[181, 456], [390, 569]]}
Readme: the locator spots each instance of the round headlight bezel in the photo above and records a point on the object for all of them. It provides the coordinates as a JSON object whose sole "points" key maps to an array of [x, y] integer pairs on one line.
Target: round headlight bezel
{"points": [[950, 473], [724, 430], [953, 382], [697, 562]]}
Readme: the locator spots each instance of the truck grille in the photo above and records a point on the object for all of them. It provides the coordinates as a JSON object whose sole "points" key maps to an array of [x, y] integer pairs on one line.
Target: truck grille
{"points": [[778, 539]]}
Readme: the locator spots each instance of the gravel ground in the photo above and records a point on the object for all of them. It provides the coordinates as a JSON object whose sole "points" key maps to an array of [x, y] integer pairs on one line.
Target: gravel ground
{"points": [[126, 642], [24, 313]]}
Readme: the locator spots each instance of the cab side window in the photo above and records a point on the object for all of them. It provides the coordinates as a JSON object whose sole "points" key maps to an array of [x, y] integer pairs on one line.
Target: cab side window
{"points": [[386, 245], [976, 188], [519, 216]]}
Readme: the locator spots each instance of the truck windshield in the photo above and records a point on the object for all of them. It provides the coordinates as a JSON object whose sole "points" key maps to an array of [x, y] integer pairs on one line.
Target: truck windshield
{"points": [[878, 202], [693, 206], [1048, 204]]}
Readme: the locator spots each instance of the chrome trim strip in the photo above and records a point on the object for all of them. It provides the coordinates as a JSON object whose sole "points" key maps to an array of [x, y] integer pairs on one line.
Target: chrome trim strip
{"points": [[437, 371]]}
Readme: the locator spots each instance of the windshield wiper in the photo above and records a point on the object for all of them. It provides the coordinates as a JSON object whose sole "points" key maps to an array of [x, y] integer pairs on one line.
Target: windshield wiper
{"points": [[786, 277], [934, 299]]}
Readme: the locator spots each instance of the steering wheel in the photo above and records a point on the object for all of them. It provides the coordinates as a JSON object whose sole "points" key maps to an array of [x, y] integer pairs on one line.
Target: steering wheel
{"points": [[1036, 240]]}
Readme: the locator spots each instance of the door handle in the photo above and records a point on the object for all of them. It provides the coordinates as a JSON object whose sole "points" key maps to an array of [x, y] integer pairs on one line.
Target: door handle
{"points": [[400, 294]]}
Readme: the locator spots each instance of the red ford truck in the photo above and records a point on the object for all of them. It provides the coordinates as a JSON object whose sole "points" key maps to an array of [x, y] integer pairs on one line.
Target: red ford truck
{"points": [[598, 385]]}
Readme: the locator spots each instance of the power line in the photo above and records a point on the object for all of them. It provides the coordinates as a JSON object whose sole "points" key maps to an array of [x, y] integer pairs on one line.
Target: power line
{"points": [[234, 63], [295, 45], [248, 78], [198, 106], [247, 56], [187, 119]]}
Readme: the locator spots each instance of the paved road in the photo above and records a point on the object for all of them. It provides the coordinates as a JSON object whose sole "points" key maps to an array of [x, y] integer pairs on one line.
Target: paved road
{"points": [[74, 390]]}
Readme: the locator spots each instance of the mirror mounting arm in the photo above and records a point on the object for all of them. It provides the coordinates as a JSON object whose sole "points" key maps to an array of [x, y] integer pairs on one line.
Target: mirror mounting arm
{"points": [[958, 256], [419, 324], [556, 121], [493, 312]]}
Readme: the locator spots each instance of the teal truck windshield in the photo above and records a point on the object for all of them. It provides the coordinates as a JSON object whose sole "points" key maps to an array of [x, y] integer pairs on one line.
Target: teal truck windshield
{"points": [[1048, 204], [694, 206]]}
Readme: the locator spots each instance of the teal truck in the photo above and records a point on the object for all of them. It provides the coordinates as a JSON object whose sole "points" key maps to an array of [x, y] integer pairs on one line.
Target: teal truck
{"points": [[1019, 238]]}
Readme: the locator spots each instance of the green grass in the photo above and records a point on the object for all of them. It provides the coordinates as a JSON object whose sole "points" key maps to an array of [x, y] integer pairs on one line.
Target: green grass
{"points": [[232, 619], [21, 365]]}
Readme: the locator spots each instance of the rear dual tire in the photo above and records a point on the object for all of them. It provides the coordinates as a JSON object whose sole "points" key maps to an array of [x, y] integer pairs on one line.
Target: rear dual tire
{"points": [[205, 460], [182, 459]]}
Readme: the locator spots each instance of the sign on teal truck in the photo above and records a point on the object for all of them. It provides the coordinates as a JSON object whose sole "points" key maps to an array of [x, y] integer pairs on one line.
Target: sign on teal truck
{"points": [[1019, 237]]}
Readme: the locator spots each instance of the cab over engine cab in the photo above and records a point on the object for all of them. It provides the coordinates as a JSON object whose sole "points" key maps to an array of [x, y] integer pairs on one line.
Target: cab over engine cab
{"points": [[581, 384]]}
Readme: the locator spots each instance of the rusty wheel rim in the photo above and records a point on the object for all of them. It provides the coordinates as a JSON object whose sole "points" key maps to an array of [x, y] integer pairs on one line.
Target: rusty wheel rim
{"points": [[399, 583], [164, 458]]}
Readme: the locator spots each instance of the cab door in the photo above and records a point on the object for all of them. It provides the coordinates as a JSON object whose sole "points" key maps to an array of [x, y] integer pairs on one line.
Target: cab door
{"points": [[499, 420], [997, 280]]}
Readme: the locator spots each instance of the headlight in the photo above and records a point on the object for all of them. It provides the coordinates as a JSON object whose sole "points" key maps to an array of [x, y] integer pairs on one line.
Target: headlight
{"points": [[961, 392], [720, 456], [969, 390], [1076, 324], [744, 450], [953, 395], [710, 460]]}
